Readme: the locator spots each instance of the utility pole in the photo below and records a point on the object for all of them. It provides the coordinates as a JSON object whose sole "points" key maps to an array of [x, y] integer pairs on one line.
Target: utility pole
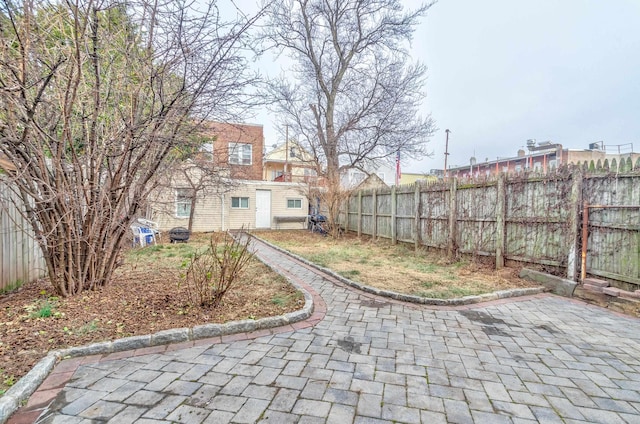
{"points": [[286, 150], [446, 152]]}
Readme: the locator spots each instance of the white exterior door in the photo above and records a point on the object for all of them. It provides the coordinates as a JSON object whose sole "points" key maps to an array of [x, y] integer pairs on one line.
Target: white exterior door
{"points": [[263, 209]]}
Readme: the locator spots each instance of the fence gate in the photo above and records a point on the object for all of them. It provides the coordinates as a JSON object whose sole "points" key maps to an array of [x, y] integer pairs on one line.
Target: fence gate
{"points": [[612, 249]]}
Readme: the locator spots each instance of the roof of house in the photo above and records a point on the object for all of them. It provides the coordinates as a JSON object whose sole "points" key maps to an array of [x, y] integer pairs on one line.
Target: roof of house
{"points": [[279, 153], [372, 181]]}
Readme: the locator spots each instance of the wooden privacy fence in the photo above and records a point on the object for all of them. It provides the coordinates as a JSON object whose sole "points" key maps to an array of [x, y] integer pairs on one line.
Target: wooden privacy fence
{"points": [[20, 256], [535, 220]]}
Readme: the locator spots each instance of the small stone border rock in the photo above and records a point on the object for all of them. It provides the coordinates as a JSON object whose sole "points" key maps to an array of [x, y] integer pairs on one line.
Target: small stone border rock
{"points": [[501, 294], [20, 392]]}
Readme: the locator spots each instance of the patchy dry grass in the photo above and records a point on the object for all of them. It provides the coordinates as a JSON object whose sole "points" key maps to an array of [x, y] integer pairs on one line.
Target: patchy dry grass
{"points": [[398, 267]]}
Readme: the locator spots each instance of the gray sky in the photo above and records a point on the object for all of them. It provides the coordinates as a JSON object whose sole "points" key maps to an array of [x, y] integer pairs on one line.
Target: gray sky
{"points": [[504, 71]]}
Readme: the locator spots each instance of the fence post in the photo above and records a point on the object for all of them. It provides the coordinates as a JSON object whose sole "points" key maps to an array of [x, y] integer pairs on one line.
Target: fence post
{"points": [[394, 201], [500, 218], [359, 213], [575, 204], [451, 245], [346, 212], [418, 209], [374, 214]]}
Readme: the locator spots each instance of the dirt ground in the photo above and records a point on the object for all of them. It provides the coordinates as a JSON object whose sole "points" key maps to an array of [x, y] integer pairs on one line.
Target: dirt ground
{"points": [[143, 298], [398, 267]]}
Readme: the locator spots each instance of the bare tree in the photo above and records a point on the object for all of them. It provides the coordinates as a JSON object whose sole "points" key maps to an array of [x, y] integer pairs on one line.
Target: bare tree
{"points": [[93, 97], [355, 94]]}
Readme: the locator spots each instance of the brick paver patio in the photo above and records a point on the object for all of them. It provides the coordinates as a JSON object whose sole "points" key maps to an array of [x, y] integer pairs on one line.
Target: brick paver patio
{"points": [[369, 360]]}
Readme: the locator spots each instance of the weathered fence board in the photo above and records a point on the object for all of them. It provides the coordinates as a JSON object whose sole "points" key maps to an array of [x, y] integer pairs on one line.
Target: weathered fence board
{"points": [[20, 256], [476, 218], [537, 217], [434, 219], [521, 218], [613, 249]]}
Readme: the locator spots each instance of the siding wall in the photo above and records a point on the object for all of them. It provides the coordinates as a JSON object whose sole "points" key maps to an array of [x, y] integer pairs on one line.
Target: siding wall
{"points": [[279, 198], [214, 212], [21, 259]]}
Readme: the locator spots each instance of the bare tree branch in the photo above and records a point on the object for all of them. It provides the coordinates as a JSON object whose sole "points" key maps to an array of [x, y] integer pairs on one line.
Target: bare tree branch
{"points": [[353, 95]]}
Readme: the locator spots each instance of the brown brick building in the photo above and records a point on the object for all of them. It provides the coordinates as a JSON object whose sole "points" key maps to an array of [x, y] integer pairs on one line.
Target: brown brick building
{"points": [[543, 157], [238, 147]]}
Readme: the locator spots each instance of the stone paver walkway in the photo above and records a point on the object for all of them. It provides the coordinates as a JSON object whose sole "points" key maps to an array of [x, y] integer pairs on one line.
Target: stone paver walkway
{"points": [[371, 360]]}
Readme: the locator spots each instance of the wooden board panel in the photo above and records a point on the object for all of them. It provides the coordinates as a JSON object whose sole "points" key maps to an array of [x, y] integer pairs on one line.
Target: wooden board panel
{"points": [[21, 259]]}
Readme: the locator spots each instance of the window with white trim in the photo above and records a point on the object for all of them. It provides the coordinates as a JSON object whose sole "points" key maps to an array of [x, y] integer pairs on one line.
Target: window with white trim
{"points": [[240, 153], [239, 203], [183, 202], [294, 203]]}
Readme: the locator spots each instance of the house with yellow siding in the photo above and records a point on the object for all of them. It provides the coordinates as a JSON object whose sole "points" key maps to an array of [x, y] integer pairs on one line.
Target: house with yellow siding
{"points": [[289, 162], [408, 178], [245, 204]]}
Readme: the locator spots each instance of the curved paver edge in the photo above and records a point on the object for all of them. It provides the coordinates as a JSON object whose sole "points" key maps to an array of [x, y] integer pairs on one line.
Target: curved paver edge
{"points": [[501, 294], [29, 383]]}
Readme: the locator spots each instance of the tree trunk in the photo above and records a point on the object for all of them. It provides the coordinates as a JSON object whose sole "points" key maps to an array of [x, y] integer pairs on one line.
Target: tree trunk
{"points": [[192, 212]]}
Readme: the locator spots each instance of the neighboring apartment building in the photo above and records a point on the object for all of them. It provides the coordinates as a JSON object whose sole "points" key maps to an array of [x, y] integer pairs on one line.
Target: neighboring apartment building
{"points": [[289, 162], [542, 157]]}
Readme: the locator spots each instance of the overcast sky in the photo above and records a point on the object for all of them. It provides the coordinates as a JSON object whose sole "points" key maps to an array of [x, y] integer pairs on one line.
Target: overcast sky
{"points": [[503, 71]]}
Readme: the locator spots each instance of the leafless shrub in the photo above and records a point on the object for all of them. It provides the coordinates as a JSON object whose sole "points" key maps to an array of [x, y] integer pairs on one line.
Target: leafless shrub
{"points": [[211, 273], [94, 96]]}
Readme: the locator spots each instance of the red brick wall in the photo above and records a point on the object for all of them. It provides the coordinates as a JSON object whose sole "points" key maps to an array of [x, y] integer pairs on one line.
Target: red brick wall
{"points": [[238, 133]]}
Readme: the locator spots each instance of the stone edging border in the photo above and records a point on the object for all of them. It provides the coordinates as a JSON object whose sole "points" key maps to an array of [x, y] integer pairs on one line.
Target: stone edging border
{"points": [[29, 383], [501, 294]]}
